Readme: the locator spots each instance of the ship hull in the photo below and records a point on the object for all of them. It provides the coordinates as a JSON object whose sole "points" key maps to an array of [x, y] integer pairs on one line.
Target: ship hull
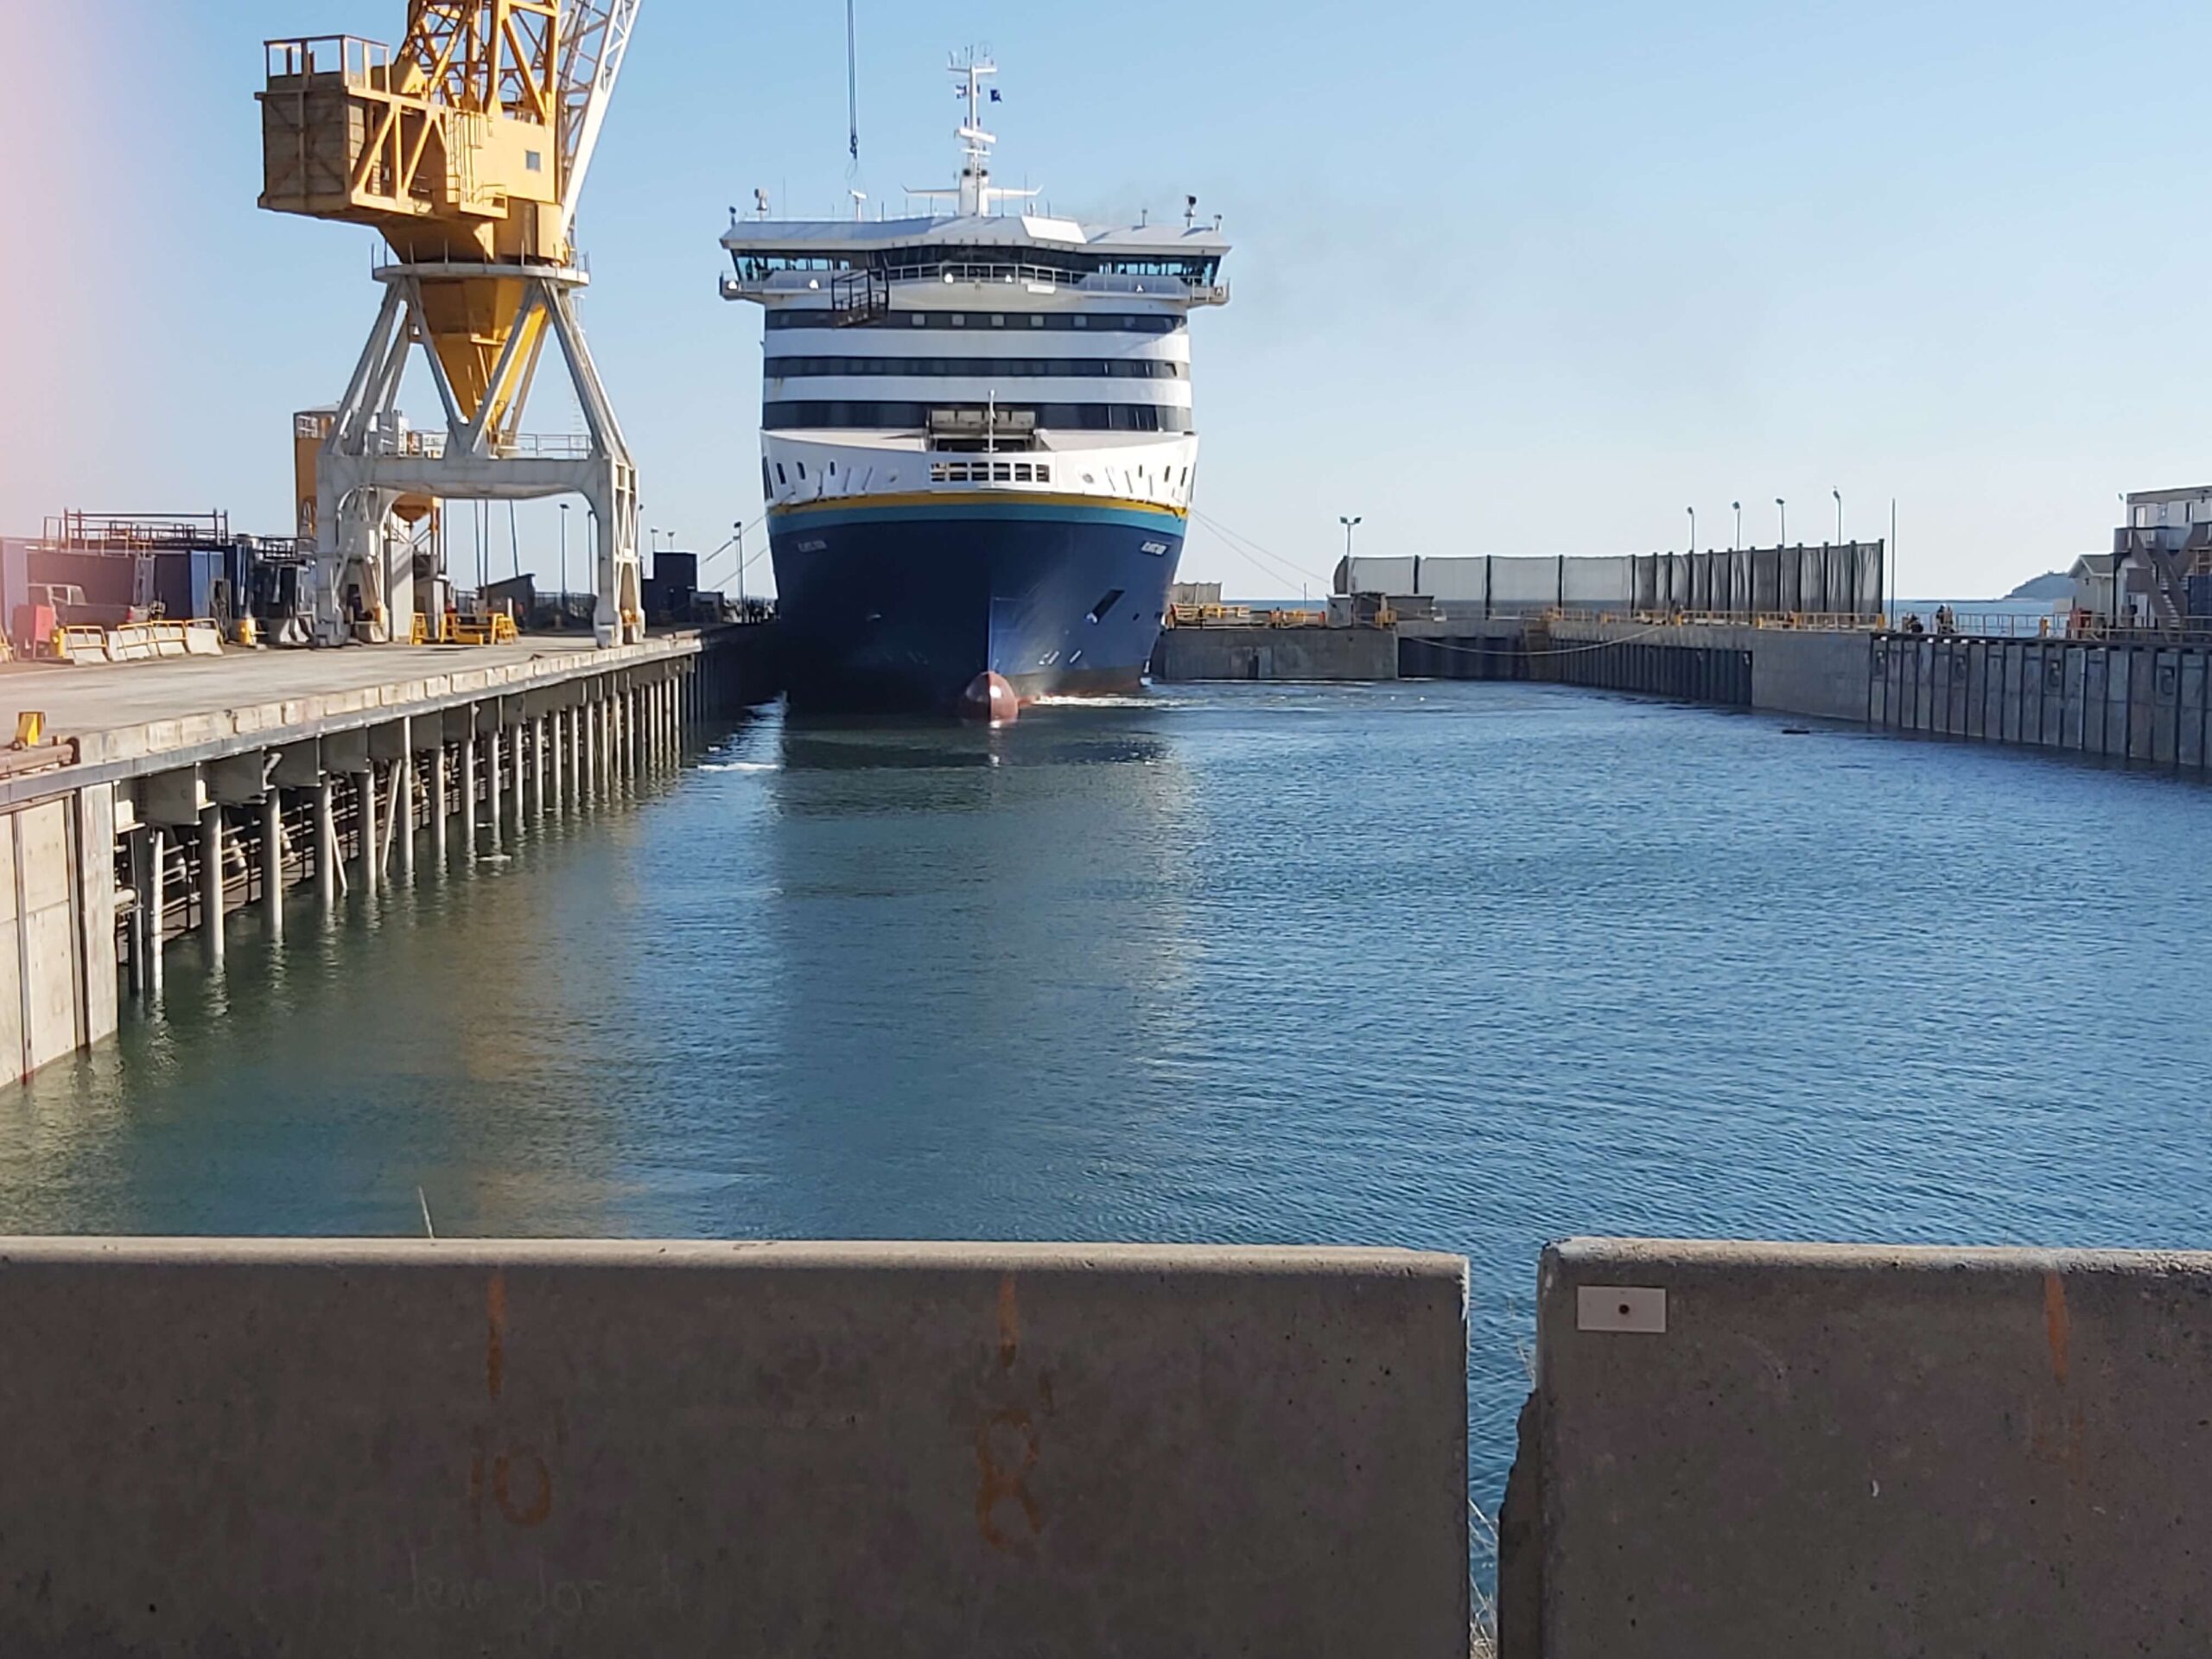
{"points": [[898, 605]]}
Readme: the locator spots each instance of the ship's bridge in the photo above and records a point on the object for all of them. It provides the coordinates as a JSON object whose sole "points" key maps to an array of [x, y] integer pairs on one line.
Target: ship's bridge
{"points": [[851, 266]]}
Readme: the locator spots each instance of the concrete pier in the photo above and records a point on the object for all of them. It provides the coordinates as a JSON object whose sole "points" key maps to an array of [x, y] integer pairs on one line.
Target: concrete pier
{"points": [[846, 1451], [205, 754]]}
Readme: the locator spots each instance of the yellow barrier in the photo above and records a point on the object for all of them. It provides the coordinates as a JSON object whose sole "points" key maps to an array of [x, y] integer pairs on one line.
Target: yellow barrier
{"points": [[477, 628], [137, 642], [80, 645]]}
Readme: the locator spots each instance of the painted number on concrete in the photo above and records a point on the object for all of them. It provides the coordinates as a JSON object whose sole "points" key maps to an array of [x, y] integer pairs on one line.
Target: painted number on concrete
{"points": [[1620, 1308]]}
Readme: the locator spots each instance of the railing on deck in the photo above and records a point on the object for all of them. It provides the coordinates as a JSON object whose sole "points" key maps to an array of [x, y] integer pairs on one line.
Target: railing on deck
{"points": [[1813, 621]]}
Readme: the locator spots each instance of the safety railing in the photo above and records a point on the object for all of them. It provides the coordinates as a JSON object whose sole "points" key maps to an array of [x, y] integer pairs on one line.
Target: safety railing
{"points": [[1810, 621], [359, 62]]}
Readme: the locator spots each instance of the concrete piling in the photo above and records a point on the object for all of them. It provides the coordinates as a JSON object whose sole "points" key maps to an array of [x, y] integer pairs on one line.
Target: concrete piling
{"points": [[326, 841], [516, 734], [137, 936], [538, 730], [404, 828], [493, 779], [154, 902], [467, 781], [272, 862], [210, 874], [441, 806], [364, 826]]}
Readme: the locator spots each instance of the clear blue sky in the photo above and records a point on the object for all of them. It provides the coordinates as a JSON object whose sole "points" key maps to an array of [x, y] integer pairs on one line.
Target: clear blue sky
{"points": [[1508, 278]]}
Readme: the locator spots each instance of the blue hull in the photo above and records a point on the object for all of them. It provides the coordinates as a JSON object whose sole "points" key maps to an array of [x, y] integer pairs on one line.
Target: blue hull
{"points": [[901, 607]]}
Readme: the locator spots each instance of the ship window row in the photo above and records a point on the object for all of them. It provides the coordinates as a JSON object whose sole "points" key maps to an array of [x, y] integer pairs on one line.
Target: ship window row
{"points": [[990, 472], [1096, 322], [1113, 368], [977, 265], [1066, 417]]}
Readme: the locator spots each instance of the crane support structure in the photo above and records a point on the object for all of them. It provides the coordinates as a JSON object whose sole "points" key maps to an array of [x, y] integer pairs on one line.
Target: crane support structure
{"points": [[465, 149]]}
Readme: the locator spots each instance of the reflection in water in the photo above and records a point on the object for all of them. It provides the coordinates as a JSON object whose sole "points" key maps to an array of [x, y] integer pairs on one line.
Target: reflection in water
{"points": [[979, 932], [1461, 966]]}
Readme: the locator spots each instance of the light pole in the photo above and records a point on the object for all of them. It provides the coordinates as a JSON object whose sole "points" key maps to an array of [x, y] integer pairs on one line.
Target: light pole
{"points": [[565, 566], [1838, 516], [739, 527], [1783, 507], [1348, 523], [1738, 542], [1693, 513]]}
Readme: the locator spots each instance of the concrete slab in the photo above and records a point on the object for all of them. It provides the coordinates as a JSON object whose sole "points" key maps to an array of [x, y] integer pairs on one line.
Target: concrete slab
{"points": [[1832, 1451], [837, 1450]]}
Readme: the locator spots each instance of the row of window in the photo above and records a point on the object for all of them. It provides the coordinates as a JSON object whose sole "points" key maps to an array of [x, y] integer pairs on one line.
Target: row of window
{"points": [[981, 368], [1066, 417], [1101, 323], [978, 471], [1072, 267], [990, 472]]}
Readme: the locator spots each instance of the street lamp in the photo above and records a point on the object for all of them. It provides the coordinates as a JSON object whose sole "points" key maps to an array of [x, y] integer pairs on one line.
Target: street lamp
{"points": [[1738, 542], [739, 527], [1783, 507], [1348, 523], [1693, 513], [1838, 516], [565, 566]]}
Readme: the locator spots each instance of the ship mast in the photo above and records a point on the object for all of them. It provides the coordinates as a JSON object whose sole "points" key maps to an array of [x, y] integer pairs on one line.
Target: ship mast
{"points": [[976, 192]]}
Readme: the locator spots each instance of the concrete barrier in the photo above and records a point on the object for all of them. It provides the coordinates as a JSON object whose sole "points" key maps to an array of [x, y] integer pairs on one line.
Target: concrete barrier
{"points": [[1740, 1450], [676, 1449]]}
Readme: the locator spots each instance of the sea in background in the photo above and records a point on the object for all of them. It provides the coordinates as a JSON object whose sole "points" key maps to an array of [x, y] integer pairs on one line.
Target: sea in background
{"points": [[1465, 967]]}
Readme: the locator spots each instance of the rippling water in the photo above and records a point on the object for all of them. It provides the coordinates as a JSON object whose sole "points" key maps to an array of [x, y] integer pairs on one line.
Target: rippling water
{"points": [[1465, 967]]}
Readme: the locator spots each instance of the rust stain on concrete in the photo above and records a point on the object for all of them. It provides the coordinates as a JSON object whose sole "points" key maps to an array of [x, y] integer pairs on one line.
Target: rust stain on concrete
{"points": [[1009, 1323], [2057, 1327], [495, 1341], [997, 1482]]}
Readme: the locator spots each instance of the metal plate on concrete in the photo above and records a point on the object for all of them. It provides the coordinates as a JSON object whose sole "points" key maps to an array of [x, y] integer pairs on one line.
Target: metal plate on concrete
{"points": [[1637, 1308]]}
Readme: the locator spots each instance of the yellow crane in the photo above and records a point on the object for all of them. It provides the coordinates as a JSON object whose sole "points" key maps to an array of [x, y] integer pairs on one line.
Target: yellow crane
{"points": [[465, 149]]}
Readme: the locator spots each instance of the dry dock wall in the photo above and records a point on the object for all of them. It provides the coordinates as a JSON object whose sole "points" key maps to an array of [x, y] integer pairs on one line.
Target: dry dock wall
{"points": [[1743, 1450], [2148, 703], [1815, 672], [481, 1449], [1275, 654]]}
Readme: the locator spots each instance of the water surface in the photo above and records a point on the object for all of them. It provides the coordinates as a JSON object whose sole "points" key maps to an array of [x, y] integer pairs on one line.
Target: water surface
{"points": [[1467, 967]]}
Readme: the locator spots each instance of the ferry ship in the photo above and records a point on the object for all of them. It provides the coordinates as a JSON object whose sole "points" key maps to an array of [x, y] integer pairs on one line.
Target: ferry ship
{"points": [[977, 444]]}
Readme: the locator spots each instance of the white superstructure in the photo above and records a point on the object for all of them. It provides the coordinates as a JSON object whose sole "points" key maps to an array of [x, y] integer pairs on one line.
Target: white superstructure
{"points": [[897, 352]]}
